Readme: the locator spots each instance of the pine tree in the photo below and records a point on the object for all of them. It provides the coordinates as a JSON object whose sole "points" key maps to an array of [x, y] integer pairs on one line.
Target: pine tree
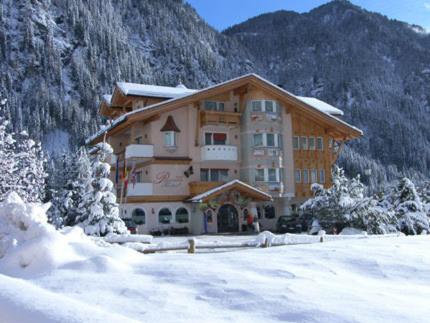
{"points": [[21, 164], [100, 212], [73, 171], [409, 209], [30, 169], [7, 161], [345, 204]]}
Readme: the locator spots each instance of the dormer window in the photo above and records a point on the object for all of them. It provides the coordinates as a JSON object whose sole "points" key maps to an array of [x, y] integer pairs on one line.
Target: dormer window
{"points": [[170, 129]]}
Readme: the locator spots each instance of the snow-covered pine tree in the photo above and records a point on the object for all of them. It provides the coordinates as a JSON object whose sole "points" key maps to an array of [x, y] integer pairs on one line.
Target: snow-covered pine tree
{"points": [[30, 169], [7, 161], [100, 211], [409, 209], [72, 174], [345, 204], [21, 164], [424, 193]]}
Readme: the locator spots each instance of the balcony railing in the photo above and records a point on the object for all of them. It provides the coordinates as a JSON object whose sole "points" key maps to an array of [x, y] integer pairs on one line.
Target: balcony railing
{"points": [[139, 151], [219, 152], [217, 117], [139, 189]]}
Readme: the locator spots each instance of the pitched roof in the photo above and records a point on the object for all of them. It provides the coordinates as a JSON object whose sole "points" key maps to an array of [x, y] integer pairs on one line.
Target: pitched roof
{"points": [[321, 105], [155, 91], [303, 103], [234, 184]]}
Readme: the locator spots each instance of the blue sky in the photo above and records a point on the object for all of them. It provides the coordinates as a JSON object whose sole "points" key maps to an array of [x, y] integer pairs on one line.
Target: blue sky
{"points": [[224, 13]]}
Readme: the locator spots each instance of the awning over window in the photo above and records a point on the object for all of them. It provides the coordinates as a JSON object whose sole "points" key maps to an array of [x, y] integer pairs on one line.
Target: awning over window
{"points": [[170, 125]]}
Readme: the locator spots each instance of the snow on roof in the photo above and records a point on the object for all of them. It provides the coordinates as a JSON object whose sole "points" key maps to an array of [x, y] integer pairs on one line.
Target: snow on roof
{"points": [[153, 90], [199, 198], [107, 98], [321, 105]]}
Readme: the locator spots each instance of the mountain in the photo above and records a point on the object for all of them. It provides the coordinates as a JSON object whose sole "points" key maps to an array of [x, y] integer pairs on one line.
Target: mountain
{"points": [[376, 69], [58, 56]]}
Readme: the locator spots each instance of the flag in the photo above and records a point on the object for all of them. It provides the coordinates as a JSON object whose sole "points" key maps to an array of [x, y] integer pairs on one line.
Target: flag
{"points": [[117, 170]]}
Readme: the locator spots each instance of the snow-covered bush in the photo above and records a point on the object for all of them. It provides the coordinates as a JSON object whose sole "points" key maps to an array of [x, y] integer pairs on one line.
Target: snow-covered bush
{"points": [[21, 164], [100, 212], [409, 210]]}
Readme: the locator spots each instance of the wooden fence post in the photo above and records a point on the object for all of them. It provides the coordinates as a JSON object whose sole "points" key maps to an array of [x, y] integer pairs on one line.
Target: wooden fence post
{"points": [[191, 246], [266, 243], [322, 239]]}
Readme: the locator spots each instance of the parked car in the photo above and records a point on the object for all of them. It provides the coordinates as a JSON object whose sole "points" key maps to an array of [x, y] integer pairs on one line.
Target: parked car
{"points": [[291, 224]]}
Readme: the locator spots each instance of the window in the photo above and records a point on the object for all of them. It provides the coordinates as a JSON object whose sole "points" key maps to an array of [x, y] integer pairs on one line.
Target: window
{"points": [[259, 175], [311, 143], [256, 106], [320, 145], [258, 139], [208, 139], [298, 176], [214, 106], [204, 175], [181, 215], [304, 143], [270, 138], [269, 212], [139, 177], [305, 176], [170, 139], [138, 216], [272, 175], [164, 216], [269, 106], [279, 143], [213, 175], [296, 143], [314, 176], [216, 138], [330, 143], [322, 176]]}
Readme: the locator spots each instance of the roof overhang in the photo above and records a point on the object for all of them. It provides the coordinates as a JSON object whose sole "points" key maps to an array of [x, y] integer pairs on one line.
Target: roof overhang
{"points": [[245, 189]]}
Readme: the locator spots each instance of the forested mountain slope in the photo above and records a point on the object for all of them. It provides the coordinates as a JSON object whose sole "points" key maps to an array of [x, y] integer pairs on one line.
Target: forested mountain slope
{"points": [[58, 56], [377, 70]]}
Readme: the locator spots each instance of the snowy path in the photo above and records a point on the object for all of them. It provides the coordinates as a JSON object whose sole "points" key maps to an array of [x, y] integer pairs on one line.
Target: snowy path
{"points": [[375, 280]]}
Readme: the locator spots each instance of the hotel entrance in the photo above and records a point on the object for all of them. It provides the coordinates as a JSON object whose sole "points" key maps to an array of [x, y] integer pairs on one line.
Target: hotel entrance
{"points": [[227, 219]]}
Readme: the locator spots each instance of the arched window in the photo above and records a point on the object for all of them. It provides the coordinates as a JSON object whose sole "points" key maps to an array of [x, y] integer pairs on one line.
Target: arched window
{"points": [[138, 216], [182, 215], [164, 216], [269, 212]]}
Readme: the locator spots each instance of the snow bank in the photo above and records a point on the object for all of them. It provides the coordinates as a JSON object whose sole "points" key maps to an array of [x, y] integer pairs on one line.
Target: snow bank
{"points": [[28, 244], [124, 238]]}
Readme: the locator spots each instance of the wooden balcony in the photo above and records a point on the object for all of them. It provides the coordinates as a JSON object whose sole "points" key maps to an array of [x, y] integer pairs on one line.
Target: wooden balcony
{"points": [[201, 187], [217, 117]]}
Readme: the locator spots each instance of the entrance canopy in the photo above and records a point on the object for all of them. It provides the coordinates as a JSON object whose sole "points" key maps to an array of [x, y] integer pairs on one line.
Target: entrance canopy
{"points": [[241, 187]]}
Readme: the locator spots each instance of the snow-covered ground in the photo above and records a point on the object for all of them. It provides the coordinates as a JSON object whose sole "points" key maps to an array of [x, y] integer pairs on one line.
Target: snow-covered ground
{"points": [[47, 276]]}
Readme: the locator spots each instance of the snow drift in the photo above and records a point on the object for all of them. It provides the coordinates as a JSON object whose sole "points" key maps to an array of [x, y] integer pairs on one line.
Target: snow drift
{"points": [[29, 242]]}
